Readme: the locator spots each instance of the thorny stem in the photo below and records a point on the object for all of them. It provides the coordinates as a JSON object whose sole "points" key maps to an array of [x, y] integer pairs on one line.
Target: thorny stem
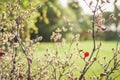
{"points": [[23, 49], [88, 65]]}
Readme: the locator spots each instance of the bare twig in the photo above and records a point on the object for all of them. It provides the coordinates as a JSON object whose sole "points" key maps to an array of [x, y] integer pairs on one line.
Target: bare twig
{"points": [[116, 64]]}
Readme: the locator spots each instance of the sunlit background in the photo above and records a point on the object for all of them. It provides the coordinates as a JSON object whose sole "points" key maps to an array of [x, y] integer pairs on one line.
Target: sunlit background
{"points": [[86, 9], [71, 16]]}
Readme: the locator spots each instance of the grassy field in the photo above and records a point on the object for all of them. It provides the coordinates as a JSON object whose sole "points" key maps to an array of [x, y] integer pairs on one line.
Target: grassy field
{"points": [[96, 69]]}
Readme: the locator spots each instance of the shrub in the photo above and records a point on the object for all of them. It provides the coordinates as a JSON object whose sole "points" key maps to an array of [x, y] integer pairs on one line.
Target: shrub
{"points": [[17, 61]]}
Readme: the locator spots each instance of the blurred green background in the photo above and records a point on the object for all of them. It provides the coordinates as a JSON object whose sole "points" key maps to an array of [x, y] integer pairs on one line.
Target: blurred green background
{"points": [[52, 14]]}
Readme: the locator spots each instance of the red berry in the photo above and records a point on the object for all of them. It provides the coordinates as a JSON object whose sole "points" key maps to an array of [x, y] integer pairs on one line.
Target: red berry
{"points": [[86, 54]]}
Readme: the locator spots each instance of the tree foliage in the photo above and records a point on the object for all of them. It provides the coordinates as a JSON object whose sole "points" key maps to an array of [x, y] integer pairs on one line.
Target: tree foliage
{"points": [[11, 11], [49, 15], [82, 20]]}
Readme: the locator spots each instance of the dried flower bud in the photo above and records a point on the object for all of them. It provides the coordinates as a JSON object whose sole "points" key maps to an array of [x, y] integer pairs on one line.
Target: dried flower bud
{"points": [[58, 30], [111, 15], [90, 3], [104, 57], [80, 51], [107, 1], [64, 29], [94, 59], [39, 38], [113, 49], [101, 28], [96, 23], [15, 45], [115, 60], [11, 36], [102, 75], [103, 20], [2, 30], [100, 9], [2, 52], [4, 16], [102, 1], [115, 1], [89, 31]]}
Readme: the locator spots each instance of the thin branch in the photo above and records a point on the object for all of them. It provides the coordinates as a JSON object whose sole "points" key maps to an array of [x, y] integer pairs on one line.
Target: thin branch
{"points": [[112, 57], [24, 51], [87, 5], [87, 66], [116, 65], [93, 31]]}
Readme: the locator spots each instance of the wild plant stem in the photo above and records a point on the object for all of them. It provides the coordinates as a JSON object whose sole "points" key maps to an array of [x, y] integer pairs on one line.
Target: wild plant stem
{"points": [[23, 49], [93, 37], [115, 65], [88, 65]]}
